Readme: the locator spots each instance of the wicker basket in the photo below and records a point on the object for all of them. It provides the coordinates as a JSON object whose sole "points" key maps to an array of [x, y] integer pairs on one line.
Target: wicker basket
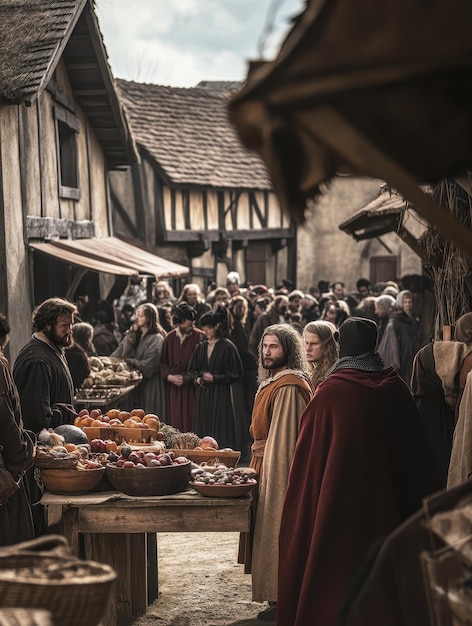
{"points": [[74, 591], [25, 617], [49, 462]]}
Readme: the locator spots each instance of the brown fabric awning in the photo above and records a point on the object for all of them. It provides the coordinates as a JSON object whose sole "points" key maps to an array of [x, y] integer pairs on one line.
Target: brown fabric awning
{"points": [[110, 255]]}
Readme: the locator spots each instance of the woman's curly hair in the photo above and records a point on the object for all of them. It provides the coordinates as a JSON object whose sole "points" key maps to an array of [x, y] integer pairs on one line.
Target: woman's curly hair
{"points": [[292, 346]]}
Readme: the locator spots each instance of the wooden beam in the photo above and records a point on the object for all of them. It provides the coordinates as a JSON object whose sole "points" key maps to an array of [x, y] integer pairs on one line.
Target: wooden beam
{"points": [[183, 236], [205, 208], [118, 207], [411, 241], [172, 209], [55, 227], [186, 207], [253, 204], [325, 124]]}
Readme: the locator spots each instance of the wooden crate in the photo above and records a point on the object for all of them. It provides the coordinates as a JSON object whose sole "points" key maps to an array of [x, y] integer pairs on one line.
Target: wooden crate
{"points": [[229, 458], [130, 435]]}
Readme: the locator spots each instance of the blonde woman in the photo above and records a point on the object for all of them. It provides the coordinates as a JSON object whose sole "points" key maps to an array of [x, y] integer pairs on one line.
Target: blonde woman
{"points": [[321, 347]]}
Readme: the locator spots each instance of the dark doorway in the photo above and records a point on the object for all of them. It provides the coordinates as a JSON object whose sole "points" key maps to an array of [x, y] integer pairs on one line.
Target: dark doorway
{"points": [[256, 263], [383, 268]]}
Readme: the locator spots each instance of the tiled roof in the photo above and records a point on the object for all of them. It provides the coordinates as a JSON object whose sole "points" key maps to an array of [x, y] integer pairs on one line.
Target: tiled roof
{"points": [[188, 133], [31, 33], [221, 85]]}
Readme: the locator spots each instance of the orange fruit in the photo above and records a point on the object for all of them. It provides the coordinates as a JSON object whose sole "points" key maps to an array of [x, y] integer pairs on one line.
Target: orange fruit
{"points": [[113, 413], [124, 415], [138, 413]]}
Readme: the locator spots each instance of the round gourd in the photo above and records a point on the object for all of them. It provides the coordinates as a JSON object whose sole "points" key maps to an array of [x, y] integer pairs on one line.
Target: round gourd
{"points": [[71, 434]]}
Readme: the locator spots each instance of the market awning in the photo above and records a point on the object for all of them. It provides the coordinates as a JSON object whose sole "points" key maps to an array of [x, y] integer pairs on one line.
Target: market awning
{"points": [[382, 215], [110, 255]]}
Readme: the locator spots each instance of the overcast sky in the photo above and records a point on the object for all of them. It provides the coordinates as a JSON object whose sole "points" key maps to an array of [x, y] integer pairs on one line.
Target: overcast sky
{"points": [[181, 42]]}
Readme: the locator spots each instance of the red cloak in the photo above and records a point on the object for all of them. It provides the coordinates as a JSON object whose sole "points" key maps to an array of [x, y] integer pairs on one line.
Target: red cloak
{"points": [[362, 465]]}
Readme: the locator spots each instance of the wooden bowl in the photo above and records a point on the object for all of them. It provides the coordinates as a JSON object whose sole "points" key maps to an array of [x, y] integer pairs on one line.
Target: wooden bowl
{"points": [[149, 481], [67, 482], [229, 457], [224, 491]]}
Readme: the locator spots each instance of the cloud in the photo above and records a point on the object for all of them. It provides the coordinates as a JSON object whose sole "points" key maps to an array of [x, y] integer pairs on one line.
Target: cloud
{"points": [[180, 43]]}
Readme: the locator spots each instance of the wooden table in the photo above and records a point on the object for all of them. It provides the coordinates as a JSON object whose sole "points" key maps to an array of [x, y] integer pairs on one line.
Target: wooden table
{"points": [[120, 530]]}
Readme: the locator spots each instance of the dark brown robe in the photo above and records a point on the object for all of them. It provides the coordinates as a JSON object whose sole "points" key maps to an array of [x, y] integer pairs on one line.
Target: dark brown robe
{"points": [[16, 523]]}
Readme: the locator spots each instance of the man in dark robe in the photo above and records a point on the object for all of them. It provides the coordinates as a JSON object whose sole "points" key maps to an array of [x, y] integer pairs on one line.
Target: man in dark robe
{"points": [[362, 465], [43, 380], [16, 450], [41, 372], [179, 345]]}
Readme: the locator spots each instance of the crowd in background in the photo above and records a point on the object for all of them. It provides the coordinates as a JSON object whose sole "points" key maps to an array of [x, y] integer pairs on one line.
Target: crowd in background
{"points": [[404, 312], [264, 371]]}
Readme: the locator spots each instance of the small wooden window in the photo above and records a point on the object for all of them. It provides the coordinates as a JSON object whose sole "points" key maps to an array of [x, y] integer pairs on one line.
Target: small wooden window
{"points": [[67, 128]]}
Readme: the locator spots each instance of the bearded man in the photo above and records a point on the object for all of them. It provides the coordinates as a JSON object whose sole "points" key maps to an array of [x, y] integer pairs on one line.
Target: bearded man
{"points": [[284, 392], [44, 382], [41, 372], [361, 467], [179, 345]]}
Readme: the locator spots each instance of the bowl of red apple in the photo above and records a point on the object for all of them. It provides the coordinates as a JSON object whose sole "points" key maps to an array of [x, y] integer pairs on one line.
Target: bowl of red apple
{"points": [[141, 473]]}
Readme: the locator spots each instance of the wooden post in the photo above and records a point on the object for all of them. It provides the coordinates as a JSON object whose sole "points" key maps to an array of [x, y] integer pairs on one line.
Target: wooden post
{"points": [[447, 335]]}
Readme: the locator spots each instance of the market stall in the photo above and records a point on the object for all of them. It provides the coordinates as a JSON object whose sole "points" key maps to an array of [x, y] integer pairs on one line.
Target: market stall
{"points": [[119, 530], [109, 384]]}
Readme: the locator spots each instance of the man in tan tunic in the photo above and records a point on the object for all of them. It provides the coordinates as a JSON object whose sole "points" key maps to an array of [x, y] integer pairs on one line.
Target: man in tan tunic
{"points": [[284, 392]]}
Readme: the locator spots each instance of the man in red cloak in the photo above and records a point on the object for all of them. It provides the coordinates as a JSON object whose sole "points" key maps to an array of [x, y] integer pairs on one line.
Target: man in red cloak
{"points": [[362, 465]]}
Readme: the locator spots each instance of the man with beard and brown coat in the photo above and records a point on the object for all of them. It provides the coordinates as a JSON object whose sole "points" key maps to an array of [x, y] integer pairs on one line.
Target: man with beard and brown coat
{"points": [[41, 372], [361, 467], [43, 379]]}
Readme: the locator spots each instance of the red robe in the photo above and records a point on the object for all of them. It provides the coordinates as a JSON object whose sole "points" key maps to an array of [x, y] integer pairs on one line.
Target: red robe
{"points": [[174, 360], [362, 465]]}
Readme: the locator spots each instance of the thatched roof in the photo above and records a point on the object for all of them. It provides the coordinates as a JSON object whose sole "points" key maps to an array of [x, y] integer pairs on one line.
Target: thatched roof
{"points": [[187, 132], [35, 35], [32, 33]]}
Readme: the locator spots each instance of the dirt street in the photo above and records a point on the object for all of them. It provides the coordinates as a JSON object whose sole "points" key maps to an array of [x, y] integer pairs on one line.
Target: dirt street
{"points": [[201, 583]]}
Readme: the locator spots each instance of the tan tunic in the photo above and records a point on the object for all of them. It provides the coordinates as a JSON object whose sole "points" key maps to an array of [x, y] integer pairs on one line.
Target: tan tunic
{"points": [[278, 406], [460, 466]]}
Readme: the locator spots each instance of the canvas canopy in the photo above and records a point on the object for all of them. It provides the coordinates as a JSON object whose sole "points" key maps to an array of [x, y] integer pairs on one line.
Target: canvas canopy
{"points": [[380, 89]]}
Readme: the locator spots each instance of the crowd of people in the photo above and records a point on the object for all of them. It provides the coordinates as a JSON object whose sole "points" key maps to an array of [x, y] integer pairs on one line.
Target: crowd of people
{"points": [[316, 389]]}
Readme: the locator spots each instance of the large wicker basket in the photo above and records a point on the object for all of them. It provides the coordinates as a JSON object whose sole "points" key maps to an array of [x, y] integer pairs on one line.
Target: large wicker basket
{"points": [[74, 591]]}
